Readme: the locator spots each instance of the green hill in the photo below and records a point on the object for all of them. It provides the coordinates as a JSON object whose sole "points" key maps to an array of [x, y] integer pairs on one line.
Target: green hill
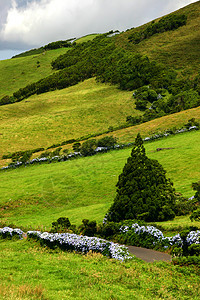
{"points": [[177, 48]]}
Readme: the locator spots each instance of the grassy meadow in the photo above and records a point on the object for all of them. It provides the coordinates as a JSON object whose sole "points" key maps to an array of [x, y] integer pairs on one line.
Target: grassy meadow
{"points": [[85, 187], [30, 272]]}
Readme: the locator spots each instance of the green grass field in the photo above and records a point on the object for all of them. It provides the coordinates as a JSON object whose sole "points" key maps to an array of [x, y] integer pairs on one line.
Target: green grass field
{"points": [[85, 187], [30, 272]]}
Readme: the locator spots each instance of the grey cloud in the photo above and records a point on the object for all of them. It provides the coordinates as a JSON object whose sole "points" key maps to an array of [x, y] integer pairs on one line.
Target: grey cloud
{"points": [[32, 23]]}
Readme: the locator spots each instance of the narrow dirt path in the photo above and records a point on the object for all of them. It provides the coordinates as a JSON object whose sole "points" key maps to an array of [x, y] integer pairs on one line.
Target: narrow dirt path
{"points": [[149, 255]]}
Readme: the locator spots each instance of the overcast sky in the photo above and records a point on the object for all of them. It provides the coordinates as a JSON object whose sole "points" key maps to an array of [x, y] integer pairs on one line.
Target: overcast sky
{"points": [[27, 24]]}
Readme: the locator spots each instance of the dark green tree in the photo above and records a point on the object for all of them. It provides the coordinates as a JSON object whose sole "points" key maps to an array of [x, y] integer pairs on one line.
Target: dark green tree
{"points": [[143, 191]]}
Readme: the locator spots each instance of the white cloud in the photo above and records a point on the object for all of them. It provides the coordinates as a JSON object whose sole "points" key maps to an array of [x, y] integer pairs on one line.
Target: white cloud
{"points": [[37, 22]]}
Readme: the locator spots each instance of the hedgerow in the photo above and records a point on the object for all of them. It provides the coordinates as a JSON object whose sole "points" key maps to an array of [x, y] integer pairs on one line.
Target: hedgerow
{"points": [[167, 23]]}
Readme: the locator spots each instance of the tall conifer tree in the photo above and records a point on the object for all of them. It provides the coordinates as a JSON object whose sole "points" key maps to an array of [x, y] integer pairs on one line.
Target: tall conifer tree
{"points": [[143, 191]]}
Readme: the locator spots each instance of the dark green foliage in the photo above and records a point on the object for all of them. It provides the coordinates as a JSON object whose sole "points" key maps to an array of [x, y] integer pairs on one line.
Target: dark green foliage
{"points": [[58, 44], [142, 190], [102, 59], [109, 229], [56, 151], [196, 187], [194, 249], [107, 141], [61, 225], [187, 261], [183, 206], [88, 147], [16, 155], [76, 146], [88, 228], [6, 100], [134, 120], [141, 104], [167, 23], [182, 101], [26, 157], [195, 215]]}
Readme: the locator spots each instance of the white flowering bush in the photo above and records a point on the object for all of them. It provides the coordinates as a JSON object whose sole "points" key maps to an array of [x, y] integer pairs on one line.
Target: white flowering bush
{"points": [[193, 237], [83, 244], [8, 232], [149, 236]]}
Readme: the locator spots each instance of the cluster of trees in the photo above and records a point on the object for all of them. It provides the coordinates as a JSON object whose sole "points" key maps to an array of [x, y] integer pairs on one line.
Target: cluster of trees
{"points": [[154, 103], [57, 45], [167, 23], [50, 46], [89, 147], [102, 59]]}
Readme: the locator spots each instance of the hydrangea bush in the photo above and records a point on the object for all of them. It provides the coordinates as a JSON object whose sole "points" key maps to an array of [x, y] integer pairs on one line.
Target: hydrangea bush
{"points": [[83, 244], [151, 234], [8, 232]]}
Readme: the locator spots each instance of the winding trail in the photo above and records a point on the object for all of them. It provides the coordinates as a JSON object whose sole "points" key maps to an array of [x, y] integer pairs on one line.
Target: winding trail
{"points": [[149, 255]]}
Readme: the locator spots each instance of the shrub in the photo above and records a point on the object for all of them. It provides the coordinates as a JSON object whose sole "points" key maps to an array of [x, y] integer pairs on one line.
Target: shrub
{"points": [[88, 147], [195, 215], [109, 229], [88, 228], [61, 225], [107, 141], [183, 206], [76, 147], [186, 261]]}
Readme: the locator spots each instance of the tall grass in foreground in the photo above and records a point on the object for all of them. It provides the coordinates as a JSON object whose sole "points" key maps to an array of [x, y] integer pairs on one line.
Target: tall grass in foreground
{"points": [[31, 272], [85, 188]]}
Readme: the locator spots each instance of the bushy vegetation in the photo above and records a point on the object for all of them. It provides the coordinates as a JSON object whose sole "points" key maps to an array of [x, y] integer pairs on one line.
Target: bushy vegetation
{"points": [[99, 57], [170, 22], [155, 104]]}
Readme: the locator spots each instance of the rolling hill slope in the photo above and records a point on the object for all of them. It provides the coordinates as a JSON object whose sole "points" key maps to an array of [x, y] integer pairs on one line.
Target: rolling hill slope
{"points": [[177, 48]]}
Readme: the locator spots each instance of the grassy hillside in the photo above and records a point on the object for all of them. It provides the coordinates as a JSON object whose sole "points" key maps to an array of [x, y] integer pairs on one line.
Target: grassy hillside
{"points": [[87, 108], [53, 117], [178, 49], [85, 188], [18, 72]]}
